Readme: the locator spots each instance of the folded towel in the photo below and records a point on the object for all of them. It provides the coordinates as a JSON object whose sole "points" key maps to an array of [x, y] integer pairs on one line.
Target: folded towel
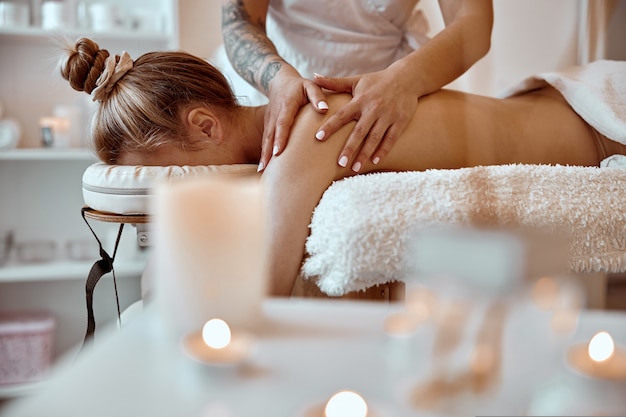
{"points": [[596, 91], [363, 225]]}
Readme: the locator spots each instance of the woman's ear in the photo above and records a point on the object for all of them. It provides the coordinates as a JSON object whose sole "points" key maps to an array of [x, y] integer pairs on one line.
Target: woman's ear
{"points": [[203, 122]]}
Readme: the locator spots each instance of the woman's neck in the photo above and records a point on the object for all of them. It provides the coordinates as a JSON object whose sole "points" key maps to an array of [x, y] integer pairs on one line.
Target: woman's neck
{"points": [[248, 128]]}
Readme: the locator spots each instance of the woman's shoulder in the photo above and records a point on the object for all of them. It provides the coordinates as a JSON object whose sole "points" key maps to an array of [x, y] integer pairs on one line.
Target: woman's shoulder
{"points": [[308, 122]]}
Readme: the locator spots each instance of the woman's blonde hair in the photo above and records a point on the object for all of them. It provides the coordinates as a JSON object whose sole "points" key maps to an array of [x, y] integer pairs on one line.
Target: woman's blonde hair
{"points": [[143, 108]]}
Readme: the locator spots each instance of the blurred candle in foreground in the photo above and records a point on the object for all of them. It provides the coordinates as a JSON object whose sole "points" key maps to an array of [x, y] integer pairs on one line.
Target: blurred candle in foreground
{"points": [[211, 252], [599, 358], [601, 347], [346, 404], [216, 345]]}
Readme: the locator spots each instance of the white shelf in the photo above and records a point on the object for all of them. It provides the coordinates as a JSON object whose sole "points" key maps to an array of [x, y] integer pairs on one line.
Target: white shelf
{"points": [[39, 34], [65, 270], [48, 154]]}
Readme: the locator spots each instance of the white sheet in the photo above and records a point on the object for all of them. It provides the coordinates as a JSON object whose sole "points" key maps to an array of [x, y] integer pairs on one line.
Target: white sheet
{"points": [[596, 91]]}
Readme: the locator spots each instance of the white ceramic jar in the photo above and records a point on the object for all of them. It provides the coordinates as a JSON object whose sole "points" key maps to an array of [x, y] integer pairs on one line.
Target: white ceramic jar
{"points": [[15, 13]]}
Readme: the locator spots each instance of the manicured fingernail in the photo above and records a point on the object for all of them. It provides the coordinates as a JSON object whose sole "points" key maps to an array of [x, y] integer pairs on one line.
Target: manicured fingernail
{"points": [[356, 167], [260, 167], [275, 150], [320, 135], [343, 161], [322, 105], [376, 160], [317, 75]]}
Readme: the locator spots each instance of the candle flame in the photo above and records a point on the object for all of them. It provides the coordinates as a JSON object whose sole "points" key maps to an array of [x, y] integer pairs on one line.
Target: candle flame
{"points": [[216, 333], [601, 347], [346, 404]]}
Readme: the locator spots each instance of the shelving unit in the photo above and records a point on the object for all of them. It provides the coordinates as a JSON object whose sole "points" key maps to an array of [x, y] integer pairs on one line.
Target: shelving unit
{"points": [[40, 188], [65, 270]]}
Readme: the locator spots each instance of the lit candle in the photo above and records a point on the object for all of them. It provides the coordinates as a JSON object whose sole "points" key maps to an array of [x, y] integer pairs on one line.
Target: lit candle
{"points": [[216, 333], [217, 345], [346, 404], [601, 347], [211, 255], [342, 404], [599, 358]]}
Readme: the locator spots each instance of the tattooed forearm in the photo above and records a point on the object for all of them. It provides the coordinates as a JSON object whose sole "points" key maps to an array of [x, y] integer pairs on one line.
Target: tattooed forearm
{"points": [[270, 71], [251, 53]]}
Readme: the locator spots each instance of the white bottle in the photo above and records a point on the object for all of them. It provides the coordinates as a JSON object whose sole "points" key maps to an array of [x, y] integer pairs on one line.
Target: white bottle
{"points": [[53, 15], [10, 131]]}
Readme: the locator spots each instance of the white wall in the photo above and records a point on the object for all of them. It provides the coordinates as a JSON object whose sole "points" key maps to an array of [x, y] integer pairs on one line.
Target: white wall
{"points": [[529, 36], [616, 30], [200, 26]]}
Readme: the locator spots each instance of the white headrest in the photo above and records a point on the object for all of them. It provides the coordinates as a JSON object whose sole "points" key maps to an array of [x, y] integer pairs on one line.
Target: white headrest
{"points": [[127, 189]]}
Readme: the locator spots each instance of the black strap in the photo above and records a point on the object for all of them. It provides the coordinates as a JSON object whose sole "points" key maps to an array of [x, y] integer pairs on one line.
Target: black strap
{"points": [[101, 267]]}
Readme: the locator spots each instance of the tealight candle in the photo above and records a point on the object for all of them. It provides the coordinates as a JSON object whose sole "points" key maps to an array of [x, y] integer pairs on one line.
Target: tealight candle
{"points": [[217, 345], [216, 333], [599, 358], [343, 404], [346, 404]]}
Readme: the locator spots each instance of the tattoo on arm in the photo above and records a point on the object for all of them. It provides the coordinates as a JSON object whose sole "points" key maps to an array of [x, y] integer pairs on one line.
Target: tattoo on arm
{"points": [[270, 71], [251, 53]]}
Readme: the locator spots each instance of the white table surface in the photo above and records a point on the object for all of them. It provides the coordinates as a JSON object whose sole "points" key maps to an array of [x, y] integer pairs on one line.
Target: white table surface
{"points": [[310, 349]]}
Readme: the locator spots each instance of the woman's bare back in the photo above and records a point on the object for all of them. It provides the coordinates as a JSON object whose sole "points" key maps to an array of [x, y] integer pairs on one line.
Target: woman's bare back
{"points": [[449, 130]]}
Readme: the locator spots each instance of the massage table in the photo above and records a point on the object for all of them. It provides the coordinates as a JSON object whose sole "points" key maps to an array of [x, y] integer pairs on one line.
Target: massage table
{"points": [[360, 229], [362, 226]]}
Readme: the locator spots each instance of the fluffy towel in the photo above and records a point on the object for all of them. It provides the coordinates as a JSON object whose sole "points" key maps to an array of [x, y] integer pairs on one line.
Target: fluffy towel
{"points": [[363, 224], [596, 91]]}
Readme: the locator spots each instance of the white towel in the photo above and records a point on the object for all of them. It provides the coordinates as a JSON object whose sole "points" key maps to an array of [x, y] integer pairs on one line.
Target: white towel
{"points": [[596, 91], [363, 225]]}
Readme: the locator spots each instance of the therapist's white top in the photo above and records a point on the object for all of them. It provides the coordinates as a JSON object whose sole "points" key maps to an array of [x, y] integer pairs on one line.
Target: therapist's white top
{"points": [[336, 38]]}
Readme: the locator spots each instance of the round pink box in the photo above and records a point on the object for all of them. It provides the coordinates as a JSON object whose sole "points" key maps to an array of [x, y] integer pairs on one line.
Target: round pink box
{"points": [[26, 345]]}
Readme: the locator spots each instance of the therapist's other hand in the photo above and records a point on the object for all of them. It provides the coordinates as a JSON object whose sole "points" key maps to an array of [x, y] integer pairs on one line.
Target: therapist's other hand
{"points": [[382, 107], [287, 94]]}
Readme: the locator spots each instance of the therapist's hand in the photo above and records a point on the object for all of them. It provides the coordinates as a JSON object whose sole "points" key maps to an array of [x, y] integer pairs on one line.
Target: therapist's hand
{"points": [[288, 92], [382, 106]]}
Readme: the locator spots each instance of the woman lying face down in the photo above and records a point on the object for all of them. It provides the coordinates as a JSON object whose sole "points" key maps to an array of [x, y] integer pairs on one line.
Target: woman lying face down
{"points": [[171, 108]]}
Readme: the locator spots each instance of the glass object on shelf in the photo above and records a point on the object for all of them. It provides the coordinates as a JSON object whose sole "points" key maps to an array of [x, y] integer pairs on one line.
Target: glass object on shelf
{"points": [[6, 245], [146, 20], [53, 14], [14, 13], [105, 17], [63, 129], [53, 132], [82, 249], [10, 133], [37, 251]]}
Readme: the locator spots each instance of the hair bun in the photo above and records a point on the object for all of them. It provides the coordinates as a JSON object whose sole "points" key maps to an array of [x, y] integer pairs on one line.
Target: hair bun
{"points": [[84, 64]]}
